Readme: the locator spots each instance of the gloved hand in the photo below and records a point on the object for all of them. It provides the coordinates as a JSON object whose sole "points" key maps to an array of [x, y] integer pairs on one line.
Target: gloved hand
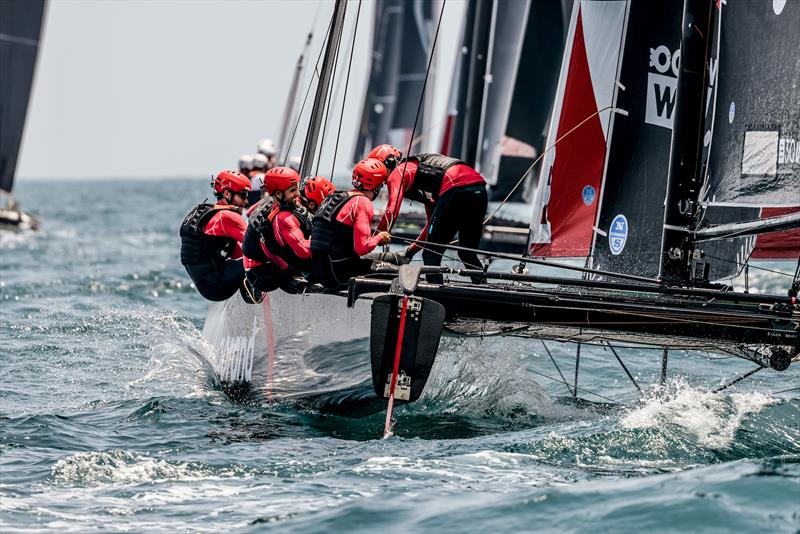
{"points": [[408, 255]]}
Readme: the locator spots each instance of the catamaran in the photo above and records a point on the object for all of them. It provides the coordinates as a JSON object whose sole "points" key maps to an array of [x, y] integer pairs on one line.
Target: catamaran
{"points": [[671, 162]]}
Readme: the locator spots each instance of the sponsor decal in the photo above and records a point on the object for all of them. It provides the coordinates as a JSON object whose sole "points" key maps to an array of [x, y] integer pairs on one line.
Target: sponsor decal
{"points": [[731, 112], [778, 5], [618, 234], [788, 151], [760, 156], [662, 84], [236, 355], [588, 194]]}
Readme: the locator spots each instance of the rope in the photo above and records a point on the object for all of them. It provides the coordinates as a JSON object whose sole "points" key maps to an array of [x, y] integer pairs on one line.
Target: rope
{"points": [[419, 106], [526, 259], [537, 160], [346, 85]]}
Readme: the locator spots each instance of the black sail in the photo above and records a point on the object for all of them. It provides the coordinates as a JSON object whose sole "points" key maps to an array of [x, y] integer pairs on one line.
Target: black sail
{"points": [[752, 138], [20, 29], [629, 225], [400, 45]]}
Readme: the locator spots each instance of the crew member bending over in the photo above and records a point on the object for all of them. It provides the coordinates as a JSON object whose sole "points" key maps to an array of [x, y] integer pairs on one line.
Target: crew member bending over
{"points": [[341, 232], [276, 247], [454, 195], [211, 237]]}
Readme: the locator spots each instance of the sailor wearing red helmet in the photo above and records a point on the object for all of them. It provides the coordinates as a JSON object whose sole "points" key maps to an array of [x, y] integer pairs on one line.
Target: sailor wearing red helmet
{"points": [[315, 191], [454, 195], [276, 246], [341, 232], [211, 237]]}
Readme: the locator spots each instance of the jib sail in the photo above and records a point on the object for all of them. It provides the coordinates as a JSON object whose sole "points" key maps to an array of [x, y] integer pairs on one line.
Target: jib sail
{"points": [[20, 29], [565, 200], [752, 138], [401, 41], [628, 230]]}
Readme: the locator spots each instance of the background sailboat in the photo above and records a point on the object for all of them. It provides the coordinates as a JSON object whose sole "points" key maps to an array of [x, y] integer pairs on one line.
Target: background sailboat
{"points": [[20, 31]]}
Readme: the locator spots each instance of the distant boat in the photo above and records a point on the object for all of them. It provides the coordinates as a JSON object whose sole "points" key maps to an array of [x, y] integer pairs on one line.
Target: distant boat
{"points": [[20, 31]]}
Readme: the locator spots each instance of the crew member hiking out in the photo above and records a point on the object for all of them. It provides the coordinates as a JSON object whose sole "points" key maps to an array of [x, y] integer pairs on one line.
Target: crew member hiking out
{"points": [[276, 247], [454, 195], [211, 237], [341, 232]]}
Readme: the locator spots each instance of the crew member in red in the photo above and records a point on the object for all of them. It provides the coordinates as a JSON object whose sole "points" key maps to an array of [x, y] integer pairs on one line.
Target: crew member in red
{"points": [[277, 248], [315, 191], [454, 195], [341, 232], [211, 237]]}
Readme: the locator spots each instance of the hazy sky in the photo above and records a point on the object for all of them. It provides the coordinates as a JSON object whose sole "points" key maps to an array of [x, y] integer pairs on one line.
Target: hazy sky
{"points": [[132, 88]]}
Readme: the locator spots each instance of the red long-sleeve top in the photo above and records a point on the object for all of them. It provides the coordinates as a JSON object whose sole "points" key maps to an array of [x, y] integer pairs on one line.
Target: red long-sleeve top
{"points": [[228, 223], [402, 178], [358, 212], [287, 233]]}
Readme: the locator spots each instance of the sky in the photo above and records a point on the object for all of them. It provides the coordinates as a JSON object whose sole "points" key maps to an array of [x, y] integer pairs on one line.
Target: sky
{"points": [[144, 88]]}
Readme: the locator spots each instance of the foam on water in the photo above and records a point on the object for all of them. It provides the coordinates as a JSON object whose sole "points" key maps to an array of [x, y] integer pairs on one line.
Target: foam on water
{"points": [[711, 418]]}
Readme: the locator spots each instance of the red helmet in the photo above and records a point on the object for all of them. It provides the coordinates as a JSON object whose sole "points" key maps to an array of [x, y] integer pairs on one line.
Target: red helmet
{"points": [[280, 179], [233, 180], [369, 174], [387, 154], [317, 188]]}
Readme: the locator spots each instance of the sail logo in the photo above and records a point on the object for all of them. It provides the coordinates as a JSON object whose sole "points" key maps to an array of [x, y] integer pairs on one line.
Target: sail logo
{"points": [[662, 85], [236, 354], [618, 234], [588, 194], [788, 151]]}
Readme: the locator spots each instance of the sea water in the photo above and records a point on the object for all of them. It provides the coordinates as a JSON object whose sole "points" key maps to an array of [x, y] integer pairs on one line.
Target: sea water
{"points": [[109, 423]]}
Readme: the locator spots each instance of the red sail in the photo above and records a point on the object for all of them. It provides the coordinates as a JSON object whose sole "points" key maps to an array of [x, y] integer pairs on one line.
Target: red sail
{"points": [[778, 245], [569, 185]]}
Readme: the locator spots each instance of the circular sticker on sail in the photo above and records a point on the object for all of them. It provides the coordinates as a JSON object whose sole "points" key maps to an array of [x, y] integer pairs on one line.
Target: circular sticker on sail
{"points": [[731, 112], [588, 195], [618, 234], [778, 5]]}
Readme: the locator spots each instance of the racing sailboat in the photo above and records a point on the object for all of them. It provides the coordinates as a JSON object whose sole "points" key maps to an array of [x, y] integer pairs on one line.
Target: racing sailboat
{"points": [[640, 178], [20, 31]]}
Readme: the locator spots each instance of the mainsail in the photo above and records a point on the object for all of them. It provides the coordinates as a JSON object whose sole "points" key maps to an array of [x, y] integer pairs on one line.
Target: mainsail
{"points": [[20, 29], [628, 230], [401, 41], [752, 134]]}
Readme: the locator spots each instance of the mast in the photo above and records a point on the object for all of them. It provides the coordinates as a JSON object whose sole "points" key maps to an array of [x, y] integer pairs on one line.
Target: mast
{"points": [[323, 88], [685, 177]]}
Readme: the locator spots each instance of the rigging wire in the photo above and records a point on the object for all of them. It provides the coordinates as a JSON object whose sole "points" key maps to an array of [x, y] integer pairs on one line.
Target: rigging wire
{"points": [[582, 389], [419, 106], [537, 160], [527, 259], [782, 273], [346, 85]]}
